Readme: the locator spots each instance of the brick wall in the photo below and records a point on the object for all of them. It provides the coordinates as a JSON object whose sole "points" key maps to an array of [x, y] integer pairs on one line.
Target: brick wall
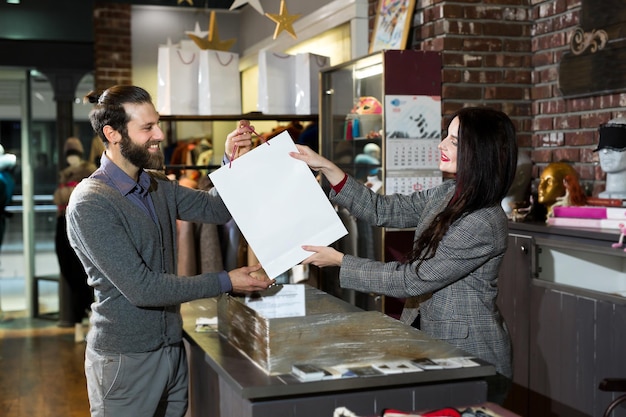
{"points": [[112, 44], [506, 54], [486, 52], [565, 129], [500, 53]]}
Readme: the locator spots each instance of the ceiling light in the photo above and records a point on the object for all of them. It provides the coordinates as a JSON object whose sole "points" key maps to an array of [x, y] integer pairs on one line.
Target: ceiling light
{"points": [[367, 72]]}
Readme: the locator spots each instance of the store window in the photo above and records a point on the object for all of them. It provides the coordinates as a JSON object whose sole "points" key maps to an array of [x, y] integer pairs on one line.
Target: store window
{"points": [[44, 166]]}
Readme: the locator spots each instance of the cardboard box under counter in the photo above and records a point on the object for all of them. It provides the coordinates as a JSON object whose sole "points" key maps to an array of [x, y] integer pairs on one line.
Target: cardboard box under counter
{"points": [[331, 333]]}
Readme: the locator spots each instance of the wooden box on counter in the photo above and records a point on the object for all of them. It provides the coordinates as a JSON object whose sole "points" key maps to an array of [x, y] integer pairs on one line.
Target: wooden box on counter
{"points": [[331, 333]]}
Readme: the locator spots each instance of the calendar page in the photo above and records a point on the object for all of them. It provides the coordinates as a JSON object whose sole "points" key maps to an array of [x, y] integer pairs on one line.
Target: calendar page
{"points": [[416, 117], [412, 154], [407, 182]]}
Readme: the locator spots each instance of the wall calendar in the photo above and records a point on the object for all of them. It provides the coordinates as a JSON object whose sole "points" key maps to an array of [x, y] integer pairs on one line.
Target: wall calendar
{"points": [[408, 183], [412, 154]]}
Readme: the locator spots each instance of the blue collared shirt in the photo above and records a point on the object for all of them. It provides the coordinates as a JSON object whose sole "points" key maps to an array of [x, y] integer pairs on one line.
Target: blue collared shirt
{"points": [[136, 192]]}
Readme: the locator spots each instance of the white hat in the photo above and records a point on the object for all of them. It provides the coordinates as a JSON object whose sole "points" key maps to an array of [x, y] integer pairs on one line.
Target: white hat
{"points": [[7, 160]]}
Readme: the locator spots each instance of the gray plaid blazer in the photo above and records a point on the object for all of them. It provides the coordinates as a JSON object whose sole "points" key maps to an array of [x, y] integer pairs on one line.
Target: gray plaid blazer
{"points": [[455, 291]]}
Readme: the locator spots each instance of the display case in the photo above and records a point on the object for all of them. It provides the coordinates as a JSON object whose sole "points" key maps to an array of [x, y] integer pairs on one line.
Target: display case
{"points": [[380, 121], [179, 128]]}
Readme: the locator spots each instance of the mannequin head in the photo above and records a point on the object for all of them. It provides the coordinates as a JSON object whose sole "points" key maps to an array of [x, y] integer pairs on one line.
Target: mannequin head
{"points": [[612, 155], [551, 184], [372, 150], [612, 161], [520, 188], [612, 145], [7, 160], [73, 151], [369, 156]]}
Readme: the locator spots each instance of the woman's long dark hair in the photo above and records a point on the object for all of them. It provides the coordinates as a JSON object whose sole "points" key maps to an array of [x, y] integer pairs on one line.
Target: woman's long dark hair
{"points": [[109, 107], [486, 163]]}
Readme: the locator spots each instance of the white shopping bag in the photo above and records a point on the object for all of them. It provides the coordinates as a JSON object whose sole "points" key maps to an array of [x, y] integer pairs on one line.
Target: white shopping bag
{"points": [[219, 83], [276, 83], [277, 204], [307, 69], [177, 69]]}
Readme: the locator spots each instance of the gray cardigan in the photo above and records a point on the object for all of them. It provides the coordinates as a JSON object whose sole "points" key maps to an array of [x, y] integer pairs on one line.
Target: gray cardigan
{"points": [[458, 286], [131, 261]]}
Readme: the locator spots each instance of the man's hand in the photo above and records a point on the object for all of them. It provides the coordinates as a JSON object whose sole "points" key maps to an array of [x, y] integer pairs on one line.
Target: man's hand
{"points": [[249, 279], [239, 141]]}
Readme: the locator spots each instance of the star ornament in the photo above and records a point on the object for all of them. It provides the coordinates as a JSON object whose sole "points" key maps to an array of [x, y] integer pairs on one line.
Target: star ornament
{"points": [[212, 41], [253, 3], [284, 21], [197, 32]]}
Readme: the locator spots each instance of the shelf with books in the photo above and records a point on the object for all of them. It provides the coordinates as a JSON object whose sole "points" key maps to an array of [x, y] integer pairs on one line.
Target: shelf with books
{"points": [[600, 217]]}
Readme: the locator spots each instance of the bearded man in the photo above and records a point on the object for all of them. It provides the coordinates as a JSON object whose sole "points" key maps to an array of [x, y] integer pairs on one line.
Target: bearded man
{"points": [[121, 222]]}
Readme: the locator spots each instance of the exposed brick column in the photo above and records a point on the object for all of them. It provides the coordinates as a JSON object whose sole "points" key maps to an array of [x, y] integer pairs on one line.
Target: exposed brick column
{"points": [[112, 44], [486, 54]]}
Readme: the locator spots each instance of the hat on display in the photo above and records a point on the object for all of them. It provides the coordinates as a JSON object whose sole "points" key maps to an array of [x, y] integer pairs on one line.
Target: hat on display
{"points": [[372, 150], [612, 136], [73, 146], [7, 160]]}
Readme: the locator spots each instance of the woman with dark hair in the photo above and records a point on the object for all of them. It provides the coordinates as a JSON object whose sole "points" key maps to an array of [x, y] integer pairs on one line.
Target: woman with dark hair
{"points": [[450, 277]]}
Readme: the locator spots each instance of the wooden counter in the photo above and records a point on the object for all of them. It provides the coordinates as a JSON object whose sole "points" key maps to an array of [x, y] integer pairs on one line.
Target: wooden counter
{"points": [[225, 382], [562, 295]]}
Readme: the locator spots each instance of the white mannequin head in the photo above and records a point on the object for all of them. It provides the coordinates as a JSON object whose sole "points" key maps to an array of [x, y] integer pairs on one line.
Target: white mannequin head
{"points": [[612, 155], [612, 161], [7, 160], [372, 150]]}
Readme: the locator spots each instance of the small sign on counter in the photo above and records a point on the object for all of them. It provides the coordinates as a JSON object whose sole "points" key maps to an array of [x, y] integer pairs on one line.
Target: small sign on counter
{"points": [[280, 301]]}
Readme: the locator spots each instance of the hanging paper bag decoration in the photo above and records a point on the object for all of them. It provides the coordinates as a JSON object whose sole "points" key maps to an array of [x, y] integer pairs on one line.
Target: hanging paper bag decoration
{"points": [[177, 72], [307, 69], [219, 83], [276, 83]]}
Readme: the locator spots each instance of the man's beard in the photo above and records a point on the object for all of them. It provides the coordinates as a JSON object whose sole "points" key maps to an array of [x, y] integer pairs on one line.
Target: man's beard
{"points": [[139, 155]]}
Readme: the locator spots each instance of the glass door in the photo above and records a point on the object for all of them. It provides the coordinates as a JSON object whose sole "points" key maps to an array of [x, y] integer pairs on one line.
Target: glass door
{"points": [[31, 208]]}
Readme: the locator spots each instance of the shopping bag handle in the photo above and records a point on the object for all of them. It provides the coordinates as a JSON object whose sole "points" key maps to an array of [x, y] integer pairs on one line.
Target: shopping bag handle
{"points": [[232, 156]]}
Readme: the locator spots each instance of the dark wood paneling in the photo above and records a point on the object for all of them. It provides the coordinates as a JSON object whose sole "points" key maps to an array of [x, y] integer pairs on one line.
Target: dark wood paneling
{"points": [[544, 350], [513, 302], [418, 76], [599, 66], [602, 72], [610, 353]]}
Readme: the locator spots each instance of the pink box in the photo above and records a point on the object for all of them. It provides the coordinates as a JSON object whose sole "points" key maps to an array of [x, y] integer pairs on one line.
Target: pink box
{"points": [[580, 212]]}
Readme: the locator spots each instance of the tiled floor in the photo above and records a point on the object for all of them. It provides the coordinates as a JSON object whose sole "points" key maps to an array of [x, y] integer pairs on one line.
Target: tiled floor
{"points": [[13, 291], [13, 297]]}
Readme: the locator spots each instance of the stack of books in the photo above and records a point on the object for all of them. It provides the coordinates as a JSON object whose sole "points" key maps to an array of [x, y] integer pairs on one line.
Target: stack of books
{"points": [[603, 214]]}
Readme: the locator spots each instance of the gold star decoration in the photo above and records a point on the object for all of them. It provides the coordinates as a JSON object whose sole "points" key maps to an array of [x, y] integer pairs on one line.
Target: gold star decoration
{"points": [[212, 41], [188, 1], [253, 3], [284, 21]]}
